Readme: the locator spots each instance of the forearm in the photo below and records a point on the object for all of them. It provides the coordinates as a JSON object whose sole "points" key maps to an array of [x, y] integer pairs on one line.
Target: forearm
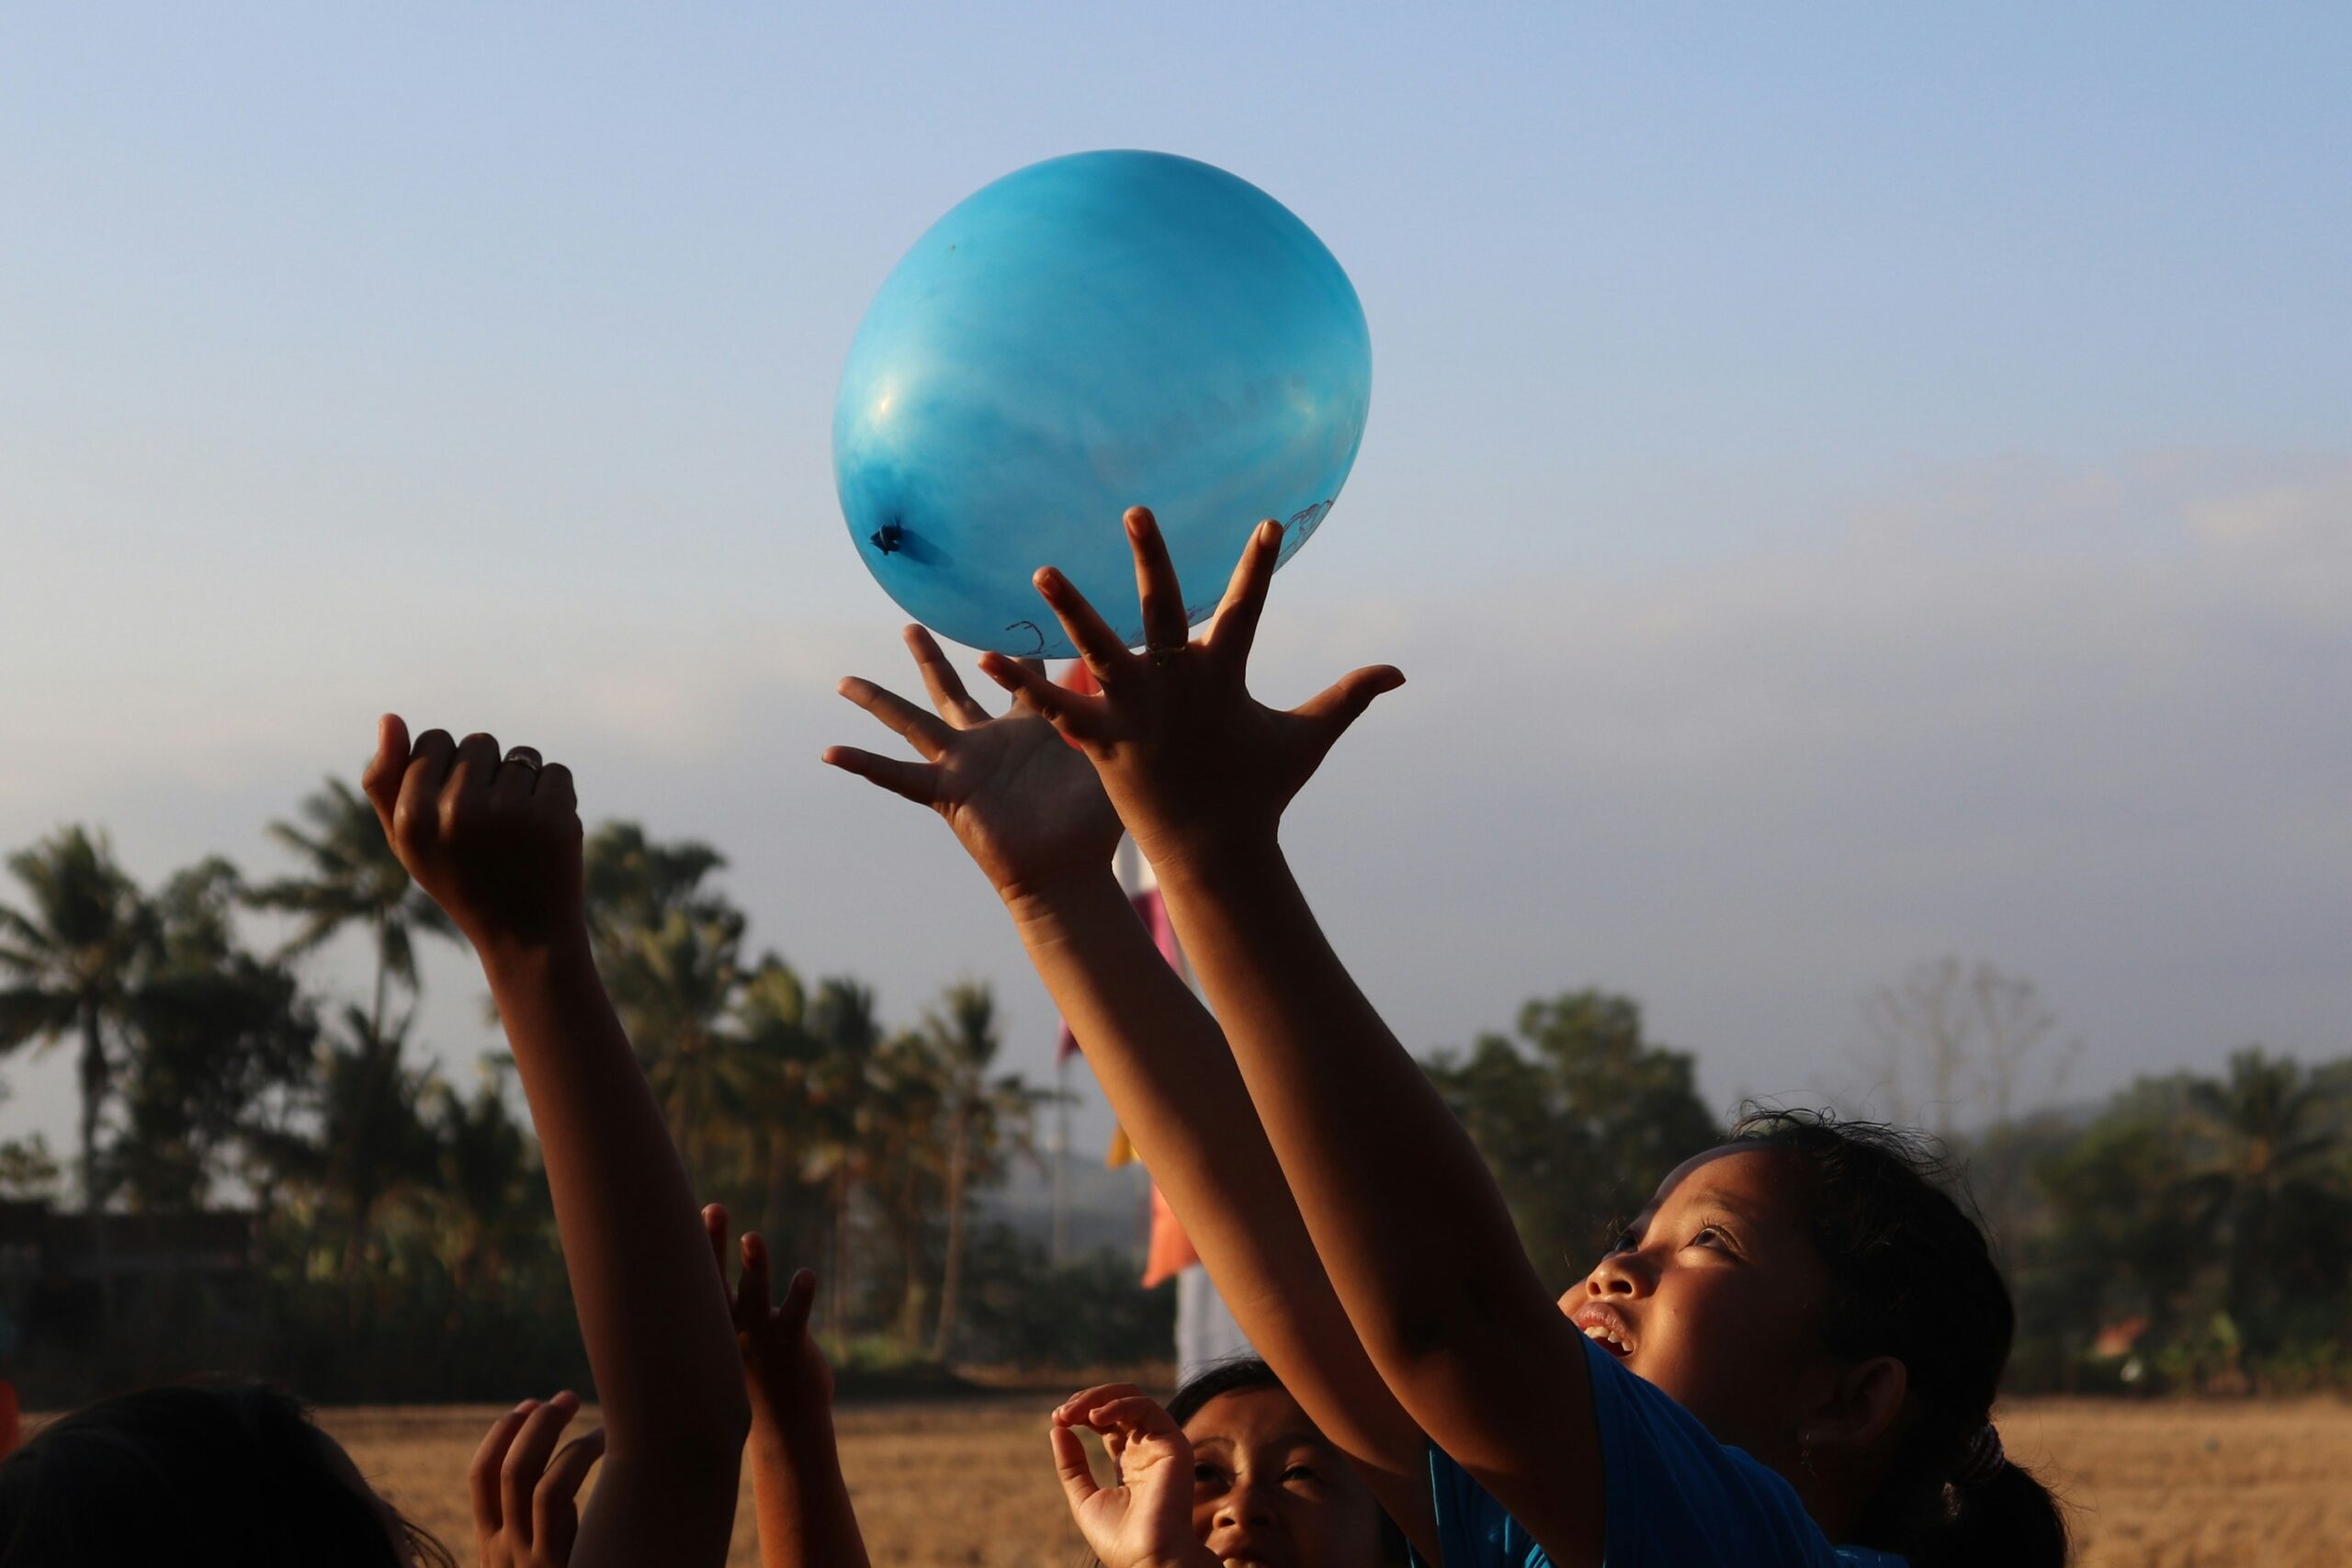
{"points": [[1164, 1064], [653, 1313], [1405, 1217], [806, 1519]]}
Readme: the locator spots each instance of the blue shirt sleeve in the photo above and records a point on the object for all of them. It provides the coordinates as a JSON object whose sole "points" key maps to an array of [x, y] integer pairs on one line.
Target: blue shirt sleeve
{"points": [[1676, 1499]]}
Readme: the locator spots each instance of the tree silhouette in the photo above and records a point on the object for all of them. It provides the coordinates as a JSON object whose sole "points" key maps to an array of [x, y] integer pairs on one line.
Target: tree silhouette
{"points": [[352, 878], [73, 960]]}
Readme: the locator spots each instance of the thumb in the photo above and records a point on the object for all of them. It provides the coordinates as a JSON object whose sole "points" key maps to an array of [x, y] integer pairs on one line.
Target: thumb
{"points": [[1342, 702], [1070, 1464], [381, 781]]}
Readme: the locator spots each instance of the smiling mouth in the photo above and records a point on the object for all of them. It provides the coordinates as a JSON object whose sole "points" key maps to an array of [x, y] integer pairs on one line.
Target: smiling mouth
{"points": [[1607, 1330]]}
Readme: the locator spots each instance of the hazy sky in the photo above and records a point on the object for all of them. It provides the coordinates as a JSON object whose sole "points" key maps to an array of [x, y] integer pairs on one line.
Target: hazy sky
{"points": [[1846, 486]]}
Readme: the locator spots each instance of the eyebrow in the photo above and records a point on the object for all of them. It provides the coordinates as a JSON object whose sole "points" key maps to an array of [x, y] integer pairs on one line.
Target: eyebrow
{"points": [[1705, 1198]]}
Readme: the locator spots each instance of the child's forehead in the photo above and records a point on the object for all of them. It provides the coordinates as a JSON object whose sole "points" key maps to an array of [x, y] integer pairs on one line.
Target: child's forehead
{"points": [[1756, 1184], [1251, 1417]]}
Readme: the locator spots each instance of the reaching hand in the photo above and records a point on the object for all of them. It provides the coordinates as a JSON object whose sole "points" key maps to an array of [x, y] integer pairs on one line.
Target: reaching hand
{"points": [[1145, 1518], [526, 1512], [783, 1371], [494, 838], [1026, 806], [1190, 757]]}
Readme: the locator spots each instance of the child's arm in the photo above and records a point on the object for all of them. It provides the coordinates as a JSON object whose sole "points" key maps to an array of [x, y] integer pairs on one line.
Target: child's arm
{"points": [[806, 1518], [1031, 812], [1404, 1214], [497, 845]]}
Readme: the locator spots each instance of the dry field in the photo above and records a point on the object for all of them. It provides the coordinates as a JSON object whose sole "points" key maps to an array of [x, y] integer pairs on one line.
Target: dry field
{"points": [[970, 1485]]}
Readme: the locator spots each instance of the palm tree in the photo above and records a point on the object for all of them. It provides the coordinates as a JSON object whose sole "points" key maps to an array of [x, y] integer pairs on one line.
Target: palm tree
{"points": [[2270, 1148], [780, 1061], [74, 961], [353, 879], [982, 1113], [485, 1184], [372, 1142], [905, 1158], [840, 1097]]}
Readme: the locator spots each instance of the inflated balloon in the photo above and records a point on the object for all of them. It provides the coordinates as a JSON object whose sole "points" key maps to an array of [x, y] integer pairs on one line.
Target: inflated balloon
{"points": [[1090, 333]]}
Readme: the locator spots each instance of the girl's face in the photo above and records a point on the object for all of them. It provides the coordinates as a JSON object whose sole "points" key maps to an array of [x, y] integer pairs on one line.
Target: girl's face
{"points": [[1268, 1491], [1715, 1295]]}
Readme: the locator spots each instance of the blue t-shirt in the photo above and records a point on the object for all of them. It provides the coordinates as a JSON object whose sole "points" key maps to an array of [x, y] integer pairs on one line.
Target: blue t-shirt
{"points": [[1676, 1497]]}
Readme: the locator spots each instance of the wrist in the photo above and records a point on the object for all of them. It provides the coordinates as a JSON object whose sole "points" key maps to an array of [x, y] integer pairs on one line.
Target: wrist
{"points": [[1073, 895], [794, 1434], [1215, 859], [510, 958]]}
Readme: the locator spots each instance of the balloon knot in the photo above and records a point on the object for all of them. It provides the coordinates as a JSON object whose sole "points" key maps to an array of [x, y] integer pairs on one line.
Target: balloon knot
{"points": [[889, 538]]}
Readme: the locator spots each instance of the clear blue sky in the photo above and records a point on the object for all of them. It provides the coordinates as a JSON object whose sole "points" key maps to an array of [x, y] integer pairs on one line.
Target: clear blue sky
{"points": [[1850, 482]]}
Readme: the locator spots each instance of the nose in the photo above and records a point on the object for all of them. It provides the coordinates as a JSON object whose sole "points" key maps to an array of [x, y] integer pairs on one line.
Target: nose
{"points": [[1251, 1502], [1620, 1274]]}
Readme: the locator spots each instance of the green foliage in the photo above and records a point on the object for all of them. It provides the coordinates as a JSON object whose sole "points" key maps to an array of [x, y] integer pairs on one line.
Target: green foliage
{"points": [[1580, 1117], [2204, 1226], [2193, 1232], [1023, 1311]]}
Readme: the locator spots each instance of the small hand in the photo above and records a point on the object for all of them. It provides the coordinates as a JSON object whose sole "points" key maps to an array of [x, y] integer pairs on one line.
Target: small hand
{"points": [[1026, 806], [1145, 1518], [1190, 757], [785, 1373], [495, 843], [526, 1509]]}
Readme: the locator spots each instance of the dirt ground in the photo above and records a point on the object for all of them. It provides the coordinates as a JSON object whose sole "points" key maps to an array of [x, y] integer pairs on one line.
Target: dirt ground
{"points": [[969, 1485]]}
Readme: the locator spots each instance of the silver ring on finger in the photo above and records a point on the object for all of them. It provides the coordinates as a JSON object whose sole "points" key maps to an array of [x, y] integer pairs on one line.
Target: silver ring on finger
{"points": [[527, 755]]}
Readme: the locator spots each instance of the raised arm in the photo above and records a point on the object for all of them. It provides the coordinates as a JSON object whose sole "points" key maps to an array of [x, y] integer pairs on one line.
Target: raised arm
{"points": [[1033, 815], [805, 1515], [1404, 1214], [496, 843]]}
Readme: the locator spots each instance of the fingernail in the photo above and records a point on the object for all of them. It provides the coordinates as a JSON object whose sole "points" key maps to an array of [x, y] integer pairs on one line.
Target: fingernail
{"points": [[527, 1408]]}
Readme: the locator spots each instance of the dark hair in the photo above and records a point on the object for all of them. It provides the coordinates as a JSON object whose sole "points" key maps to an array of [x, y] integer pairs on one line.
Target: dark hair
{"points": [[1912, 1277], [1248, 1374], [230, 1473]]}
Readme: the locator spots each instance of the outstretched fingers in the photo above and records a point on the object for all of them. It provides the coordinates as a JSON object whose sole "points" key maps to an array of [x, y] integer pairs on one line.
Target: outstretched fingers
{"points": [[919, 782], [1076, 714], [939, 678], [1102, 649], [927, 733], [714, 1230], [1235, 627], [1342, 702], [1164, 624], [752, 1295], [800, 1301]]}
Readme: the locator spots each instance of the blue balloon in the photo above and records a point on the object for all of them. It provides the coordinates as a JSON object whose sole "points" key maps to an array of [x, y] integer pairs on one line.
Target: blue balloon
{"points": [[1090, 333]]}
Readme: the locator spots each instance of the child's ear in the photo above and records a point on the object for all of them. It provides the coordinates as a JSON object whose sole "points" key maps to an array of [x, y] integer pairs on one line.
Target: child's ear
{"points": [[1861, 1408]]}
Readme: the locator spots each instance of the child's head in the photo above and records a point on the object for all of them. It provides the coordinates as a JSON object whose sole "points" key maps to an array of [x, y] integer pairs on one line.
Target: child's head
{"points": [[1268, 1487], [230, 1474], [1811, 1296]]}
